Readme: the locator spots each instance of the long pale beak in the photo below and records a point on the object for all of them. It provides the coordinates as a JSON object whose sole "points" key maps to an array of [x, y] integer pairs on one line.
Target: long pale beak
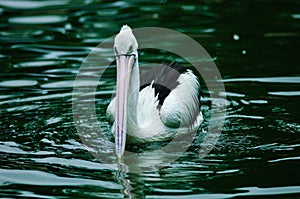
{"points": [[124, 66]]}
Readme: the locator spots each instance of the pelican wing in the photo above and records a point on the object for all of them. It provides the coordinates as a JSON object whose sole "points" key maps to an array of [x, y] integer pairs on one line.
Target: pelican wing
{"points": [[182, 106]]}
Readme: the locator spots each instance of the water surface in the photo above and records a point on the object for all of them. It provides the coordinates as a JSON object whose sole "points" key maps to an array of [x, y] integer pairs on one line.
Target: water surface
{"points": [[255, 45]]}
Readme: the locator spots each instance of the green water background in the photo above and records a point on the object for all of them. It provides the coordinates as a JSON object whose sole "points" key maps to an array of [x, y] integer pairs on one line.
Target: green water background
{"points": [[255, 45]]}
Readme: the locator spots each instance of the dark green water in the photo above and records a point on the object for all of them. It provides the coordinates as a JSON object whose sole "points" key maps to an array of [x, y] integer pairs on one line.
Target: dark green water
{"points": [[255, 45]]}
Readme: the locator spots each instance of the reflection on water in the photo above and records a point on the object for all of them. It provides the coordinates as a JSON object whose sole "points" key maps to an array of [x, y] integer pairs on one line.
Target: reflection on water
{"points": [[43, 45]]}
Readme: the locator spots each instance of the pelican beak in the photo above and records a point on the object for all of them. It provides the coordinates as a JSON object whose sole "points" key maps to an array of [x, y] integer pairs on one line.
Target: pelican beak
{"points": [[124, 66]]}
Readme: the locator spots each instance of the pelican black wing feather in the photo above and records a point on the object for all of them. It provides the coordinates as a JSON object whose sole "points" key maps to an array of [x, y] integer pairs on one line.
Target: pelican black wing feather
{"points": [[164, 78]]}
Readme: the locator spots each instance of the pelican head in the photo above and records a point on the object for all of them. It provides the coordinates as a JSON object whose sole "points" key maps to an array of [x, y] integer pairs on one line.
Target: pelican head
{"points": [[125, 42], [125, 48]]}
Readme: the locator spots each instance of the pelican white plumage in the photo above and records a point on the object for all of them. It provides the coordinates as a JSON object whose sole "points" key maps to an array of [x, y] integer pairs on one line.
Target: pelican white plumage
{"points": [[155, 107]]}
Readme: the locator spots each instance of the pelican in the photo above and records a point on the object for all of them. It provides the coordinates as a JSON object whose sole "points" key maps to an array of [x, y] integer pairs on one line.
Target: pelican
{"points": [[157, 106]]}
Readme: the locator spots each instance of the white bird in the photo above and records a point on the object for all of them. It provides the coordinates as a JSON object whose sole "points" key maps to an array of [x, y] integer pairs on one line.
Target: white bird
{"points": [[157, 106]]}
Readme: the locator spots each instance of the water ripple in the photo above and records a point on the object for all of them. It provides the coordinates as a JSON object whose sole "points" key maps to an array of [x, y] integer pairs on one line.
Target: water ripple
{"points": [[265, 80], [285, 93], [28, 4], [41, 178], [44, 43], [84, 164], [18, 83], [46, 19], [285, 159]]}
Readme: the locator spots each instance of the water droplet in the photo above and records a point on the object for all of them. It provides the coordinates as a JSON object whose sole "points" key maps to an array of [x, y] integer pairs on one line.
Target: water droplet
{"points": [[155, 15], [68, 26], [236, 37]]}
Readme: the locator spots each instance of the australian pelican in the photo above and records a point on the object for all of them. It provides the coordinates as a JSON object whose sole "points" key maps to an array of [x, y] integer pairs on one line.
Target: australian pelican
{"points": [[158, 105]]}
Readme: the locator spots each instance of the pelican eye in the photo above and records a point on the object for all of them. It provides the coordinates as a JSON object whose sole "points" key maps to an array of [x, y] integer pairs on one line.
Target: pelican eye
{"points": [[130, 50]]}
